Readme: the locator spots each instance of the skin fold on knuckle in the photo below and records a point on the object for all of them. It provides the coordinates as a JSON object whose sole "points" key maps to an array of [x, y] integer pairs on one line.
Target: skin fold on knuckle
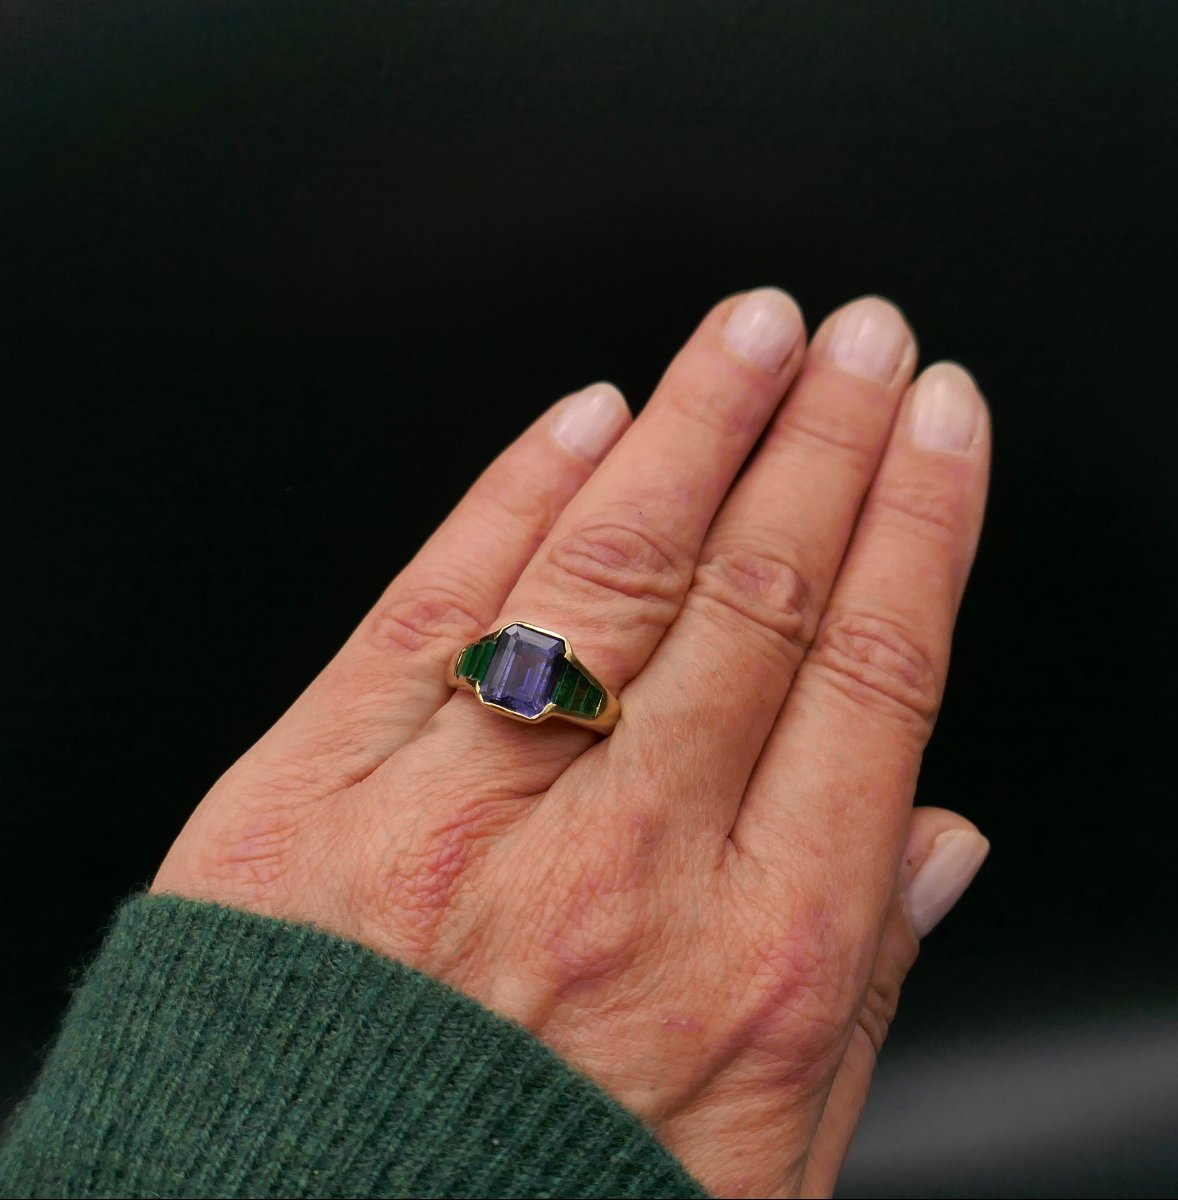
{"points": [[879, 663], [925, 505], [619, 557], [439, 613], [820, 437], [509, 488], [411, 880], [801, 987], [719, 410], [897, 953], [761, 589], [596, 911]]}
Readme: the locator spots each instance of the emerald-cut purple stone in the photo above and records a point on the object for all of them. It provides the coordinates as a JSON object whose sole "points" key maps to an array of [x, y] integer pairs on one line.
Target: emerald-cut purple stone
{"points": [[523, 671]]}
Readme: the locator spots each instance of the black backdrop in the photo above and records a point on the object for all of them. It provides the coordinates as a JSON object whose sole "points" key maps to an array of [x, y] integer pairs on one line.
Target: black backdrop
{"points": [[279, 277]]}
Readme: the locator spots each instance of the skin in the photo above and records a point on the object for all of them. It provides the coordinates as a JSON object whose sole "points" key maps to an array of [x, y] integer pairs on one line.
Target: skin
{"points": [[704, 911]]}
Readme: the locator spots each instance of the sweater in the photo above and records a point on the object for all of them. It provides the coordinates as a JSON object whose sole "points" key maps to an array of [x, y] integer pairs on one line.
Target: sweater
{"points": [[213, 1052]]}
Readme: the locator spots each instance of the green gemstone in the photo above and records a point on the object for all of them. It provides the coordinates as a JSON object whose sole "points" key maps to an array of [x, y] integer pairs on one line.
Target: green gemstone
{"points": [[566, 686], [575, 694], [485, 651], [464, 660], [586, 699]]}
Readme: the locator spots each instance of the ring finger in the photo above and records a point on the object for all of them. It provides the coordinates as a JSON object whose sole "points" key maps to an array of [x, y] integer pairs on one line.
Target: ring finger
{"points": [[612, 574]]}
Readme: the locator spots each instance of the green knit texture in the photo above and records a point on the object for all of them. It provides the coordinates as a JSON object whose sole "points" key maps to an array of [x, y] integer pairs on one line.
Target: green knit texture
{"points": [[211, 1052]]}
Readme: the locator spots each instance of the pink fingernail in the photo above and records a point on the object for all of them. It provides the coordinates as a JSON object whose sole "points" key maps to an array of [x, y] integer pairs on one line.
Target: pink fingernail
{"points": [[943, 877], [588, 422], [946, 410], [763, 328], [868, 339]]}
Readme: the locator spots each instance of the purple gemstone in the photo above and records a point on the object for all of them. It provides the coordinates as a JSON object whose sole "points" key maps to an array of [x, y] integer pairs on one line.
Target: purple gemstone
{"points": [[523, 671]]}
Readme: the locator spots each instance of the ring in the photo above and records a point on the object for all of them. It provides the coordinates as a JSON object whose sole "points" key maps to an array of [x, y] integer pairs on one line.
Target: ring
{"points": [[530, 674]]}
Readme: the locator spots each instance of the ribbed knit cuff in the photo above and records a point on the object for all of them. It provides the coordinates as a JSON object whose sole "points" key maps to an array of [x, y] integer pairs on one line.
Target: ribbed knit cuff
{"points": [[211, 1052]]}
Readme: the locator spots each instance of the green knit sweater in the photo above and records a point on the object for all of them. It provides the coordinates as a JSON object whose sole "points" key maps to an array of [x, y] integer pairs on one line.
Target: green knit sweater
{"points": [[210, 1052]]}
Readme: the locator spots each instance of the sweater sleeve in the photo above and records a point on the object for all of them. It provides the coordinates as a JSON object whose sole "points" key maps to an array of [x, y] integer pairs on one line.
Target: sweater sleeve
{"points": [[212, 1052]]}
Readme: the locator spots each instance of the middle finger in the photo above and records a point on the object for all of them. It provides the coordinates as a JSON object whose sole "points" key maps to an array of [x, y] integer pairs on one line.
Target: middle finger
{"points": [[771, 556]]}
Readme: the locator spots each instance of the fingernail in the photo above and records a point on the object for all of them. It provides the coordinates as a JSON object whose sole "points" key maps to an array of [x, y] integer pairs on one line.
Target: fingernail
{"points": [[763, 328], [946, 409], [943, 877], [869, 338], [590, 421]]}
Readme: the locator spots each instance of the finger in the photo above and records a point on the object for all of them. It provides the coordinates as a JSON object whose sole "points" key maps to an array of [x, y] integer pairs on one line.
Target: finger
{"points": [[943, 854], [612, 573], [770, 558], [838, 772], [389, 677]]}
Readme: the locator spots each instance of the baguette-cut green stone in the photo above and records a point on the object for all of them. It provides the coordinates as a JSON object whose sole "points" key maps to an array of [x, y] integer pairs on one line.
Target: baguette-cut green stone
{"points": [[566, 686], [482, 660], [582, 697], [464, 660], [475, 659]]}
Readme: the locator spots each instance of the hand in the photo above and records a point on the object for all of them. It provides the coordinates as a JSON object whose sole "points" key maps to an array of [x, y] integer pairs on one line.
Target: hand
{"points": [[711, 911]]}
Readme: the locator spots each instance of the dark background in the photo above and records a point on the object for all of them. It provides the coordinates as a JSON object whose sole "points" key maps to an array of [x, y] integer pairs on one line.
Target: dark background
{"points": [[280, 277]]}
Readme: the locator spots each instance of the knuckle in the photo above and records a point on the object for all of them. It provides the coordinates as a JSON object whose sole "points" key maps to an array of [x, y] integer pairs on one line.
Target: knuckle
{"points": [[594, 923], [926, 505], [758, 587], [720, 411], [619, 555], [880, 663], [412, 881], [798, 988], [410, 620], [878, 1012], [898, 950], [516, 497], [824, 432]]}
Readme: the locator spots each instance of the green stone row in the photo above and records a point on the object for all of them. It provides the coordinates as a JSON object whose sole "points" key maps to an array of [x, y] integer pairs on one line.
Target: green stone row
{"points": [[475, 659], [575, 694]]}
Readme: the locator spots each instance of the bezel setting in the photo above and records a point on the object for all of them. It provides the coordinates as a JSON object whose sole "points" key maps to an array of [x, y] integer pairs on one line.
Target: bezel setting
{"points": [[608, 709]]}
